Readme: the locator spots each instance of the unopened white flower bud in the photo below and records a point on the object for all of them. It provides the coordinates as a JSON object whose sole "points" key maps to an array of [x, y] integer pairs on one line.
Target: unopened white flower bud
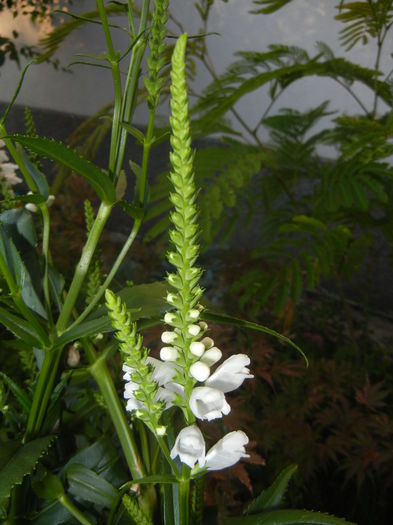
{"points": [[169, 353], [203, 325], [30, 206], [208, 342], [168, 337], [200, 371], [171, 298], [211, 356], [50, 200], [169, 317], [194, 329], [197, 348], [161, 430], [193, 314]]}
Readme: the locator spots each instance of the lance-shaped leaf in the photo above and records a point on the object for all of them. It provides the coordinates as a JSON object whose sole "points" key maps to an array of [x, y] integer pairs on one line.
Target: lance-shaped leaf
{"points": [[19, 327], [69, 158], [288, 517], [88, 485], [273, 496]]}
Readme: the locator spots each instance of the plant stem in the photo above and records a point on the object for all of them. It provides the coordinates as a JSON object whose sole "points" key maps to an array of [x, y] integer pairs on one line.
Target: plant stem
{"points": [[72, 509], [184, 499], [110, 275], [104, 381], [42, 393], [83, 265], [45, 251]]}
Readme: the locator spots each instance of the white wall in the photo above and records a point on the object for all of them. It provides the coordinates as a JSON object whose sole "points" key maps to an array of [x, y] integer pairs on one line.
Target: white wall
{"points": [[302, 24]]}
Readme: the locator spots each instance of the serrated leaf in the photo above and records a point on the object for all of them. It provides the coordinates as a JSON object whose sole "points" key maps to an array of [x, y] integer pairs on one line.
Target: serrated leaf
{"points": [[87, 485], [69, 158], [288, 517], [273, 496], [16, 464]]}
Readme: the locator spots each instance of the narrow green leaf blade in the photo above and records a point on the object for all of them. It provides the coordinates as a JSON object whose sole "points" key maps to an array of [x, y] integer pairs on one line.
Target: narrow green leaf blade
{"points": [[19, 327], [288, 517], [20, 462], [18, 392], [272, 497], [69, 158], [234, 321]]}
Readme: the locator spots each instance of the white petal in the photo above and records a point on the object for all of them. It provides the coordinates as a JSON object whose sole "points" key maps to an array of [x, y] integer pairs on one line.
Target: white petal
{"points": [[163, 371], [200, 371], [189, 446], [193, 314], [169, 317], [208, 403], [212, 356], [230, 374], [227, 451]]}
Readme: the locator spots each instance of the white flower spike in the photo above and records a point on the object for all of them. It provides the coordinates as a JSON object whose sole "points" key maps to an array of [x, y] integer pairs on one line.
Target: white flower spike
{"points": [[208, 403], [230, 374], [228, 451], [190, 446]]}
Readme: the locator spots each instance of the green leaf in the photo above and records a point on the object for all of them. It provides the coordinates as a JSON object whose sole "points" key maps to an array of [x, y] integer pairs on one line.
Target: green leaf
{"points": [[135, 132], [143, 301], [288, 517], [272, 497], [227, 319], [19, 327], [69, 158], [49, 487], [16, 463], [35, 173], [18, 392], [20, 273], [86, 484]]}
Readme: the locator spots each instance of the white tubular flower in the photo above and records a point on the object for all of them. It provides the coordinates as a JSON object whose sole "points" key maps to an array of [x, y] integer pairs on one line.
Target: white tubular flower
{"points": [[228, 451], [132, 402], [231, 374], [211, 356], [208, 403], [128, 371], [200, 371], [190, 446], [163, 371], [169, 353], [169, 317], [197, 348]]}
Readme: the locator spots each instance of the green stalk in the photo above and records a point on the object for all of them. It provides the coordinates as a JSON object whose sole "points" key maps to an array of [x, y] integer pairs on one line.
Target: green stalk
{"points": [[42, 393], [131, 87], [72, 509], [113, 59], [45, 251], [104, 381], [110, 275], [83, 265], [184, 497]]}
